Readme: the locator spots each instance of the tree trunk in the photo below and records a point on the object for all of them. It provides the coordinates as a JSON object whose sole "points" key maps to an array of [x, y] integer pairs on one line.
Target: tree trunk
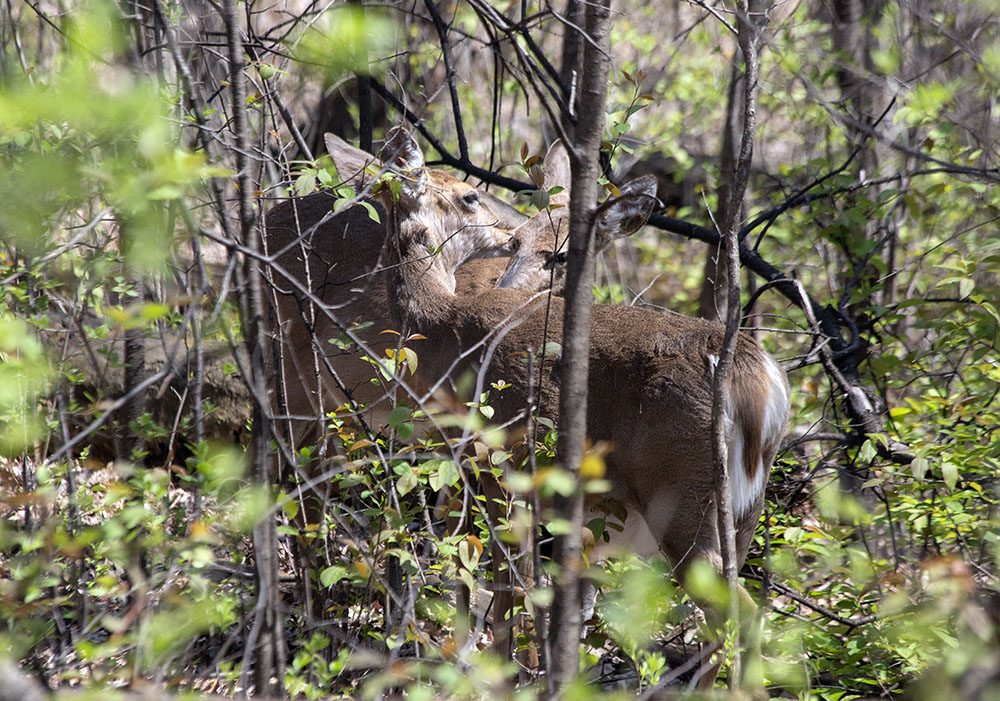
{"points": [[134, 357], [572, 63], [266, 641], [712, 301], [748, 14], [862, 97], [565, 634]]}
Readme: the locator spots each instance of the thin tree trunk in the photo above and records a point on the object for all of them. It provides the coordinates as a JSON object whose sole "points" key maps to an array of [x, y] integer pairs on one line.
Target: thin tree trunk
{"points": [[134, 356], [862, 97], [749, 34], [365, 119], [572, 63], [713, 299], [268, 643], [566, 622]]}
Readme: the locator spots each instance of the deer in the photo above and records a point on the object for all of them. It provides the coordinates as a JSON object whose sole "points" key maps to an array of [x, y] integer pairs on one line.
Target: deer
{"points": [[337, 256], [650, 378], [329, 274], [330, 307]]}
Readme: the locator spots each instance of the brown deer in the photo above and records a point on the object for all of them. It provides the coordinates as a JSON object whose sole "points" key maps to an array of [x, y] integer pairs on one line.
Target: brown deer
{"points": [[650, 379], [329, 274], [337, 256], [331, 305]]}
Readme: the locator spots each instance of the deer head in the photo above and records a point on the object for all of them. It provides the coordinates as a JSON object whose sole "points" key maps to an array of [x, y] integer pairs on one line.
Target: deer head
{"points": [[538, 248], [651, 375], [462, 222]]}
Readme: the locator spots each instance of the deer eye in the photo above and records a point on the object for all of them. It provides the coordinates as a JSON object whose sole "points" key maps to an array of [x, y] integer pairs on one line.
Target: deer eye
{"points": [[554, 260], [471, 198]]}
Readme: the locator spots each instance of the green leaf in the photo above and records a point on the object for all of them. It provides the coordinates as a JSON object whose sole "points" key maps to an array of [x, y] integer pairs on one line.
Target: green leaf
{"points": [[949, 471], [965, 287], [498, 457], [372, 212], [407, 482], [468, 554], [152, 311], [560, 481], [331, 575], [445, 475], [539, 199], [519, 482], [559, 526], [867, 452], [305, 184], [399, 415], [164, 192]]}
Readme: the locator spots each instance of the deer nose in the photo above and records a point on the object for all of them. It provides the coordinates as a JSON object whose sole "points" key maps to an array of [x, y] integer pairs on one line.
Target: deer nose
{"points": [[512, 246]]}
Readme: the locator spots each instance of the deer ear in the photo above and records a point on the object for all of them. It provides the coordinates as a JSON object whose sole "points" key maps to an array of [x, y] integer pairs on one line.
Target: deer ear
{"points": [[556, 170], [401, 151], [402, 155], [623, 215], [351, 162], [644, 185]]}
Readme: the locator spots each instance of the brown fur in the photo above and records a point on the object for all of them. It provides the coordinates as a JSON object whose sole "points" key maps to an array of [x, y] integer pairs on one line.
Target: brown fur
{"points": [[650, 385], [340, 263]]}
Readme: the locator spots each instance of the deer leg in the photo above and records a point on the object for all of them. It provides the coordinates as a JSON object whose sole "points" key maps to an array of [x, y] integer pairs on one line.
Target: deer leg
{"points": [[749, 638], [715, 617]]}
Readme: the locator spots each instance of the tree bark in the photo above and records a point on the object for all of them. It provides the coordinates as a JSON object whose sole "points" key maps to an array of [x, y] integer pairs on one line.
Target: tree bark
{"points": [[134, 356], [366, 120], [712, 301], [266, 641], [572, 63], [565, 634], [747, 15]]}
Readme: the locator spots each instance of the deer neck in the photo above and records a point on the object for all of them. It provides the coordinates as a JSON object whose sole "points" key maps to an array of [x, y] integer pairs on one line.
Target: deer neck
{"points": [[422, 285]]}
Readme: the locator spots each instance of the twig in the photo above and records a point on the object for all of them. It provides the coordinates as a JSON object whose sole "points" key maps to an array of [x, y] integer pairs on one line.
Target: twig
{"points": [[786, 590]]}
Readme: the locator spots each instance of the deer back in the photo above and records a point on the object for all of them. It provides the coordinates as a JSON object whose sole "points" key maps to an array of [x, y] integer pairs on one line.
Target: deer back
{"points": [[650, 397]]}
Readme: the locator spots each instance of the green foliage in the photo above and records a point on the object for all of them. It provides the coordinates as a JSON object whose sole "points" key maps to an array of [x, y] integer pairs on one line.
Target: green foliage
{"points": [[118, 542], [24, 377], [351, 39], [877, 570]]}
